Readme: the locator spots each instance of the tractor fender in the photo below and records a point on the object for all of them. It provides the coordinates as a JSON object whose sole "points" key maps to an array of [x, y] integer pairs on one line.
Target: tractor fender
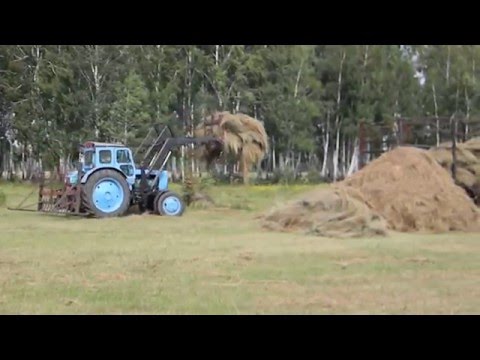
{"points": [[163, 181], [92, 171]]}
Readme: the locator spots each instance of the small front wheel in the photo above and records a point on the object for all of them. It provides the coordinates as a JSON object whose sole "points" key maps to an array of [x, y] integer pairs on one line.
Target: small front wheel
{"points": [[169, 204]]}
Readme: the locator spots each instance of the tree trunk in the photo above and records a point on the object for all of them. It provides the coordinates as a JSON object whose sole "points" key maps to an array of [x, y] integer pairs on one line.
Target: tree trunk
{"points": [[354, 159], [336, 154], [297, 82], [237, 106], [447, 71], [436, 114], [23, 163], [326, 143], [274, 156], [467, 118], [96, 80], [338, 120], [11, 164]]}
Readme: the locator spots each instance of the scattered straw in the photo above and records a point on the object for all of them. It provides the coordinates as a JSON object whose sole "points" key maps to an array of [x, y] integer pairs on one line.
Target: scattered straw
{"points": [[332, 212]]}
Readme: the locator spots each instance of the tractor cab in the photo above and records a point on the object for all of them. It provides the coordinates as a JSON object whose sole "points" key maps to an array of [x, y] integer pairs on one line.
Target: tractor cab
{"points": [[95, 155]]}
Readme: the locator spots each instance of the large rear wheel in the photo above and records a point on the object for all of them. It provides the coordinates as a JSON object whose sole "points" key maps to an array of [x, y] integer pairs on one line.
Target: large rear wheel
{"points": [[107, 194]]}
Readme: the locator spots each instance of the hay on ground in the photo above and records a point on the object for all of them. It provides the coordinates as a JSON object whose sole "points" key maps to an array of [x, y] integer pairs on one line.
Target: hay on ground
{"points": [[403, 190], [331, 212], [243, 136]]}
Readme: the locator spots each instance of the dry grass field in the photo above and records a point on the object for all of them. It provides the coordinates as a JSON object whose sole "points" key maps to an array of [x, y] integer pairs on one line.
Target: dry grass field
{"points": [[220, 261]]}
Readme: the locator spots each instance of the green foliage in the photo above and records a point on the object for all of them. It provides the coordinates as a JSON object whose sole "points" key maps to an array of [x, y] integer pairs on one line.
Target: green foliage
{"points": [[129, 112], [284, 177], [314, 177], [63, 95], [206, 182], [189, 190]]}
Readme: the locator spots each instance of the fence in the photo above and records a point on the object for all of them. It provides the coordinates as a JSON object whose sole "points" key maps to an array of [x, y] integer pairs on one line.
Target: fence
{"points": [[422, 132]]}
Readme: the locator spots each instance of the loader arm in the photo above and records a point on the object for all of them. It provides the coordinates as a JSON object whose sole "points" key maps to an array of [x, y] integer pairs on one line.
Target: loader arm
{"points": [[162, 156]]}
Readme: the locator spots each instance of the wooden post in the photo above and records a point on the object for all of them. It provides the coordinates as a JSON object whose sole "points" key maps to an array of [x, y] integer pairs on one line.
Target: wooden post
{"points": [[401, 132], [40, 192], [453, 128], [78, 189]]}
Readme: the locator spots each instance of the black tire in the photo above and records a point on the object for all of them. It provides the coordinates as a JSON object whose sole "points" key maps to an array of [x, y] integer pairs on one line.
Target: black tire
{"points": [[160, 209], [88, 191]]}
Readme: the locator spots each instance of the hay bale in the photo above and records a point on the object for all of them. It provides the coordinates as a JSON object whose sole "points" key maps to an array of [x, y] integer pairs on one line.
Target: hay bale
{"points": [[331, 212], [243, 136], [414, 193]]}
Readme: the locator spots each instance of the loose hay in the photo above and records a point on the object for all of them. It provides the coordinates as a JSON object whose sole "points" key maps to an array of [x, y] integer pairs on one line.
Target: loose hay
{"points": [[475, 169], [244, 137], [467, 164], [465, 177], [443, 155], [403, 190], [473, 145], [331, 212]]}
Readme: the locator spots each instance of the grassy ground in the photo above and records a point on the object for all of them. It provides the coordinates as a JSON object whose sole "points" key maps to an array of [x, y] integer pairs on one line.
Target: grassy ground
{"points": [[219, 261]]}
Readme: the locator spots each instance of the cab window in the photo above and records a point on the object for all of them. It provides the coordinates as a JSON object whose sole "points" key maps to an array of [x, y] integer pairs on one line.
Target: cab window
{"points": [[88, 158], [123, 157], [105, 156]]}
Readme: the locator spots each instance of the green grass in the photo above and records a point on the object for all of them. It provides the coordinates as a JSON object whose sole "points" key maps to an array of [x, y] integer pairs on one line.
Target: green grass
{"points": [[3, 198], [219, 261]]}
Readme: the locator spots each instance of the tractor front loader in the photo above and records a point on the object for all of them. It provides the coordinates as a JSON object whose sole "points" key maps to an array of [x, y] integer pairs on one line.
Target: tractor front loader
{"points": [[110, 179]]}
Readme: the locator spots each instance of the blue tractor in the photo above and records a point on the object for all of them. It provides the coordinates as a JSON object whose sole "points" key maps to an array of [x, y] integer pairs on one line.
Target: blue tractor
{"points": [[110, 178]]}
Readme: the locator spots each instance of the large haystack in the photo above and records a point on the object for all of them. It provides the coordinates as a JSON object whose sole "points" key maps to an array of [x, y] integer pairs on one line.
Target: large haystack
{"points": [[414, 193], [403, 190], [243, 136], [467, 164]]}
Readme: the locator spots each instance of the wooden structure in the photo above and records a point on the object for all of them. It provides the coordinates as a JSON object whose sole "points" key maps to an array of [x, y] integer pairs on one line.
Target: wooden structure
{"points": [[423, 132]]}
